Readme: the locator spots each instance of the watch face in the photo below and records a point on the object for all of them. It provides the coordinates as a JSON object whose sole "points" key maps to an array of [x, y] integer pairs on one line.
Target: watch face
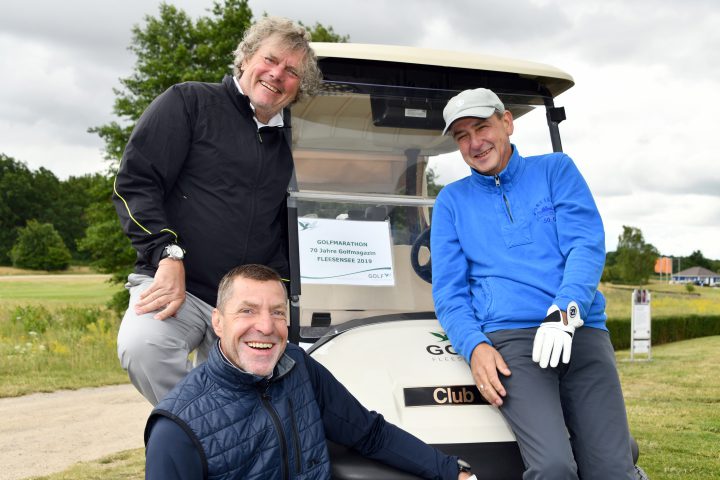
{"points": [[463, 465], [175, 252]]}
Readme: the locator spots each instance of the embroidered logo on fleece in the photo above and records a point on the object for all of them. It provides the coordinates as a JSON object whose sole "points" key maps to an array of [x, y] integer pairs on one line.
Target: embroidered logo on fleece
{"points": [[544, 211]]}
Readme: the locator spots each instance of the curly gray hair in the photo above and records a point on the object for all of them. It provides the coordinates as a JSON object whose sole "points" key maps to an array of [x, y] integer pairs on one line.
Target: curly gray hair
{"points": [[294, 37]]}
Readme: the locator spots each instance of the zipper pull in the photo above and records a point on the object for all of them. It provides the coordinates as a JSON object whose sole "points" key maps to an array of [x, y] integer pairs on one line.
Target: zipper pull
{"points": [[263, 387], [497, 181], [259, 136]]}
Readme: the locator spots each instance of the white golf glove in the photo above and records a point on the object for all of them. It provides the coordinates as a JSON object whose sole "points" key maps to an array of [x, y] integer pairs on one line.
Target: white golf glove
{"points": [[554, 336]]}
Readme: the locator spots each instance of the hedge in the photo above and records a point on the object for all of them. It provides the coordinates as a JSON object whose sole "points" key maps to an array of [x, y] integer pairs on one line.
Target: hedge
{"points": [[666, 329]]}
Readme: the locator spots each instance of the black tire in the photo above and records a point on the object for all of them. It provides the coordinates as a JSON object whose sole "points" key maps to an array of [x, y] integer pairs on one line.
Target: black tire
{"points": [[640, 474]]}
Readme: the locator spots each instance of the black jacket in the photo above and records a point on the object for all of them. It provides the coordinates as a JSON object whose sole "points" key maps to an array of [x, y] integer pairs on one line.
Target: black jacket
{"points": [[197, 171], [222, 423]]}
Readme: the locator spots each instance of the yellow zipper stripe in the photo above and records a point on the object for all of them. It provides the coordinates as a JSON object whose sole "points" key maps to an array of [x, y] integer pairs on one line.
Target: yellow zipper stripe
{"points": [[169, 231], [127, 207]]}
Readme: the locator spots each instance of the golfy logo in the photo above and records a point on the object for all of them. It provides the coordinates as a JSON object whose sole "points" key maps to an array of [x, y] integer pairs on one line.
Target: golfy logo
{"points": [[440, 350], [306, 225]]}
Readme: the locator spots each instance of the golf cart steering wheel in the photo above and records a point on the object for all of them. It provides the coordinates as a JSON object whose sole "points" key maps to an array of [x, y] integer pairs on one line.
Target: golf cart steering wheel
{"points": [[423, 271]]}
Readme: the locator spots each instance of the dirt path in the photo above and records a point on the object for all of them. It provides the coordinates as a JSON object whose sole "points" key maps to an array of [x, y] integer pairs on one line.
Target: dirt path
{"points": [[45, 433]]}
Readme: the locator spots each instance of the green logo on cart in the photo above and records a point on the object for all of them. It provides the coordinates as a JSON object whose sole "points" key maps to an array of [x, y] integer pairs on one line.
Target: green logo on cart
{"points": [[441, 335], [437, 350]]}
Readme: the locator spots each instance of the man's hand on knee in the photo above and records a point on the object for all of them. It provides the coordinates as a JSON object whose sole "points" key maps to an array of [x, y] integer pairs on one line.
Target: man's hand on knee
{"points": [[485, 364], [554, 336], [167, 292]]}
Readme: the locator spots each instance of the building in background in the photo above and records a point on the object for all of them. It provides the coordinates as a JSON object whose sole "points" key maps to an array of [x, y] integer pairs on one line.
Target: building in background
{"points": [[697, 276]]}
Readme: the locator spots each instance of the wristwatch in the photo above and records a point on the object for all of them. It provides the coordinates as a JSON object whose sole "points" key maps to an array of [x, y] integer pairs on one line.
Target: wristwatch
{"points": [[173, 251], [464, 466]]}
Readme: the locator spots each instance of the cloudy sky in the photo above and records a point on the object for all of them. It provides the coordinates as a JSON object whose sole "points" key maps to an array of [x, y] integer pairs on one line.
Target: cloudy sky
{"points": [[642, 118]]}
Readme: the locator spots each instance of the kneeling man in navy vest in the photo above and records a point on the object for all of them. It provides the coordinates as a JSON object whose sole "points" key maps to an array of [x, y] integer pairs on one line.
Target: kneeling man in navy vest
{"points": [[262, 408]]}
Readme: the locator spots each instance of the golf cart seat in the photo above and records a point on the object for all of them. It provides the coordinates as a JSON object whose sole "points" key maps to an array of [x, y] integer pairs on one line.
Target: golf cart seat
{"points": [[506, 463], [347, 464]]}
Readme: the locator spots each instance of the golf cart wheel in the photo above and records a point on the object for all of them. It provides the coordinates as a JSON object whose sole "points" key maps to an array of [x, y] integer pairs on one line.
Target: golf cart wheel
{"points": [[422, 271], [640, 474]]}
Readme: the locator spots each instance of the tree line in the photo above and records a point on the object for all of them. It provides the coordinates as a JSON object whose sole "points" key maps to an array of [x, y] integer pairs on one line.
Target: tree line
{"points": [[42, 218], [634, 260], [47, 223]]}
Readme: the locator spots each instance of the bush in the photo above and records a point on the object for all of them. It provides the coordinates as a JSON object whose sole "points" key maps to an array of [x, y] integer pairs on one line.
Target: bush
{"points": [[119, 302], [33, 318], [81, 318], [40, 247], [38, 319], [666, 329]]}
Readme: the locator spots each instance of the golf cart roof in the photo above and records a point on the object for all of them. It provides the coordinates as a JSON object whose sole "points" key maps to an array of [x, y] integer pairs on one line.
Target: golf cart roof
{"points": [[546, 77]]}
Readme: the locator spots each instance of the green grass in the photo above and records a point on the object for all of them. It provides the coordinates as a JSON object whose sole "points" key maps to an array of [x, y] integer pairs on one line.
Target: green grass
{"points": [[667, 300], [55, 291], [127, 465], [673, 405], [45, 350], [55, 333]]}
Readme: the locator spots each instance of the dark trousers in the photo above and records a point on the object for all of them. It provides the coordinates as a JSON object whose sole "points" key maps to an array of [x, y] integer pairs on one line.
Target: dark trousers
{"points": [[569, 421]]}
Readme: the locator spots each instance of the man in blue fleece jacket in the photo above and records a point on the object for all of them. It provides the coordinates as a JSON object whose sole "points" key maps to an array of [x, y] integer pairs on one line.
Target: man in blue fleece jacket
{"points": [[262, 409], [518, 249]]}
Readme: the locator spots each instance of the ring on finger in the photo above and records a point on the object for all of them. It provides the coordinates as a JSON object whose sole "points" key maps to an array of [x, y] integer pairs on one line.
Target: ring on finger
{"points": [[482, 387]]}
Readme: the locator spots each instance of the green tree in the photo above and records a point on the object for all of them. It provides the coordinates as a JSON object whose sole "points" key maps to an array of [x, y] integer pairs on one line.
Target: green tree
{"points": [[715, 266], [697, 259], [38, 194], [610, 271], [40, 247], [635, 259], [25, 194], [321, 33], [433, 187], [15, 197], [75, 196]]}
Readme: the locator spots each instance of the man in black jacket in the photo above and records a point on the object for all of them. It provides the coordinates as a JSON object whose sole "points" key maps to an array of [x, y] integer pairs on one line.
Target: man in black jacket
{"points": [[201, 188], [260, 408]]}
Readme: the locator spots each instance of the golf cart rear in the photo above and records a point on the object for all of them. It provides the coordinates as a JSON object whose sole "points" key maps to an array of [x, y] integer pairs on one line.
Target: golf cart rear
{"points": [[367, 151]]}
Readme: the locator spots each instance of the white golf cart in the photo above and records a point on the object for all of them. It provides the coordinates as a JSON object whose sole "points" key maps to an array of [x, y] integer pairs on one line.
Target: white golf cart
{"points": [[367, 150]]}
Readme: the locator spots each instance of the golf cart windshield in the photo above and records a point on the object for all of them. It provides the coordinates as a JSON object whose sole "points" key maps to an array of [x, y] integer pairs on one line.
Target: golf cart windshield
{"points": [[369, 161]]}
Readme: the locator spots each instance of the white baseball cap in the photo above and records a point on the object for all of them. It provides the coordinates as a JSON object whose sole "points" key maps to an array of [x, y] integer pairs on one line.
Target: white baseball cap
{"points": [[479, 103]]}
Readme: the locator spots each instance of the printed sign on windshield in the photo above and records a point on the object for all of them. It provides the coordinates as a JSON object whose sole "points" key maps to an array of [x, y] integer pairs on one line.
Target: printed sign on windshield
{"points": [[345, 252]]}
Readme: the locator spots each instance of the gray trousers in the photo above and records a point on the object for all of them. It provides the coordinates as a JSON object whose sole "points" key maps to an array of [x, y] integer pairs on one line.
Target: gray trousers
{"points": [[155, 352], [569, 421]]}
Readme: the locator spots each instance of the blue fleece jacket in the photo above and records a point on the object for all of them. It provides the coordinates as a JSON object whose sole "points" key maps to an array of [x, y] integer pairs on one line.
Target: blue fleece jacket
{"points": [[507, 247]]}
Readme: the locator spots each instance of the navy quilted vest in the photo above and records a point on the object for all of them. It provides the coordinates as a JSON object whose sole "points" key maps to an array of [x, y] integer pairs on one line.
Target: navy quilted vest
{"points": [[249, 427]]}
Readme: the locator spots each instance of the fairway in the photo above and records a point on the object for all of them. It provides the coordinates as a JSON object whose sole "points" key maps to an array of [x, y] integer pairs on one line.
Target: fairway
{"points": [[55, 290]]}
